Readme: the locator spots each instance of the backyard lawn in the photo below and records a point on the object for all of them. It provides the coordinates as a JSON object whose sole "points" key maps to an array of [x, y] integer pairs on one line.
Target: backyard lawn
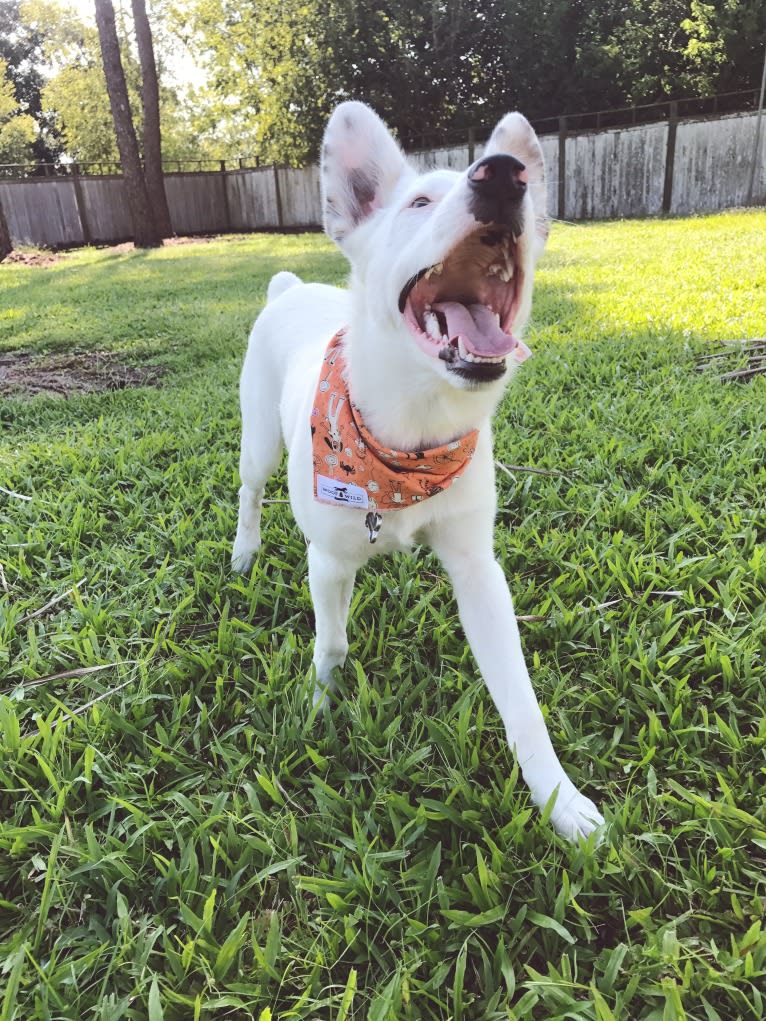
{"points": [[181, 837]]}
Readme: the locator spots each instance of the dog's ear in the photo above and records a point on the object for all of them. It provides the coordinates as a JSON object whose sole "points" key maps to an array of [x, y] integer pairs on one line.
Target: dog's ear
{"points": [[361, 164], [515, 136]]}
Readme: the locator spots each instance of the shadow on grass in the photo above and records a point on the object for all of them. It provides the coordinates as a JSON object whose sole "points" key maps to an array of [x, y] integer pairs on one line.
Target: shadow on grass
{"points": [[182, 305]]}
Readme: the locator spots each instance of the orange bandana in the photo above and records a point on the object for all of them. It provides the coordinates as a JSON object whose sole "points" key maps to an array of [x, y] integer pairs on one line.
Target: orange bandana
{"points": [[352, 469]]}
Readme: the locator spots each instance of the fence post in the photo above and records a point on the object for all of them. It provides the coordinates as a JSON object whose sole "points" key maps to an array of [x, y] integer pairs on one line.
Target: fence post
{"points": [[226, 210], [278, 196], [562, 167], [757, 143], [471, 145], [670, 157], [79, 199]]}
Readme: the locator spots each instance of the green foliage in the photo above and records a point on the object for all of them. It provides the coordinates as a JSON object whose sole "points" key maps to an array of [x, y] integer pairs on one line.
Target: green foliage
{"points": [[18, 50], [274, 72], [17, 129], [277, 70], [74, 97], [79, 103], [21, 51], [182, 837], [270, 79]]}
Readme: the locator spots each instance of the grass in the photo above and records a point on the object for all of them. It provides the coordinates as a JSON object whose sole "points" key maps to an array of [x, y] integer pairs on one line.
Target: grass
{"points": [[181, 838]]}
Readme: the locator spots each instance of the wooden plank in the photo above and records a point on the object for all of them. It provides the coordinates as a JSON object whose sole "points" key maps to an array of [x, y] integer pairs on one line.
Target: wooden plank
{"points": [[670, 158], [301, 198], [252, 199], [42, 211], [107, 209], [196, 203]]}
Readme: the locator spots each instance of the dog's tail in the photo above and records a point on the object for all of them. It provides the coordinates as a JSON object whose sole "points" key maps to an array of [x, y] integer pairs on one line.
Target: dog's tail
{"points": [[280, 283]]}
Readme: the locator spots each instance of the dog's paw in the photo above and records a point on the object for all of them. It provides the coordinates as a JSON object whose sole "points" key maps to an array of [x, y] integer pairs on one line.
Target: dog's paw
{"points": [[569, 812], [243, 555], [574, 816], [321, 698]]}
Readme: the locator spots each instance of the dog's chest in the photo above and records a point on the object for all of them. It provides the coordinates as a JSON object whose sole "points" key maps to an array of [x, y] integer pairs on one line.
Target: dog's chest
{"points": [[362, 536]]}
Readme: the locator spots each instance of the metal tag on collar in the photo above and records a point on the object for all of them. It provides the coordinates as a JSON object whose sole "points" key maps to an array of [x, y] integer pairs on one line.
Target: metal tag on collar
{"points": [[373, 521]]}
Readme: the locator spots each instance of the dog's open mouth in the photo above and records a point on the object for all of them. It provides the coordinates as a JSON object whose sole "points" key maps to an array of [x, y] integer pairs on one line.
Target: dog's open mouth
{"points": [[462, 309]]}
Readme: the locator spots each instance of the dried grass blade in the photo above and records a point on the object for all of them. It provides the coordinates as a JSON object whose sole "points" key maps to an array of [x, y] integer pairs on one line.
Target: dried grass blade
{"points": [[65, 675], [510, 468], [16, 496], [743, 373], [53, 602]]}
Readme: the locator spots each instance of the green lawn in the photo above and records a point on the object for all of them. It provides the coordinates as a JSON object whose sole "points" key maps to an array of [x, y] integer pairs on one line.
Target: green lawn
{"points": [[181, 838]]}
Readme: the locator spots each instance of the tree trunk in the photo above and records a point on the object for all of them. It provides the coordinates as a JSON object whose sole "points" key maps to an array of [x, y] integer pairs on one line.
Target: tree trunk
{"points": [[146, 232], [150, 98], [6, 245]]}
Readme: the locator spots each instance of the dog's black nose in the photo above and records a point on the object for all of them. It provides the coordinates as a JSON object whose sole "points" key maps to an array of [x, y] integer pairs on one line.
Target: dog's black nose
{"points": [[501, 176], [498, 184]]}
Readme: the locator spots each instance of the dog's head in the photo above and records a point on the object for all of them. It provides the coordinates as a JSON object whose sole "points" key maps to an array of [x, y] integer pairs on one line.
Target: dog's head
{"points": [[444, 261]]}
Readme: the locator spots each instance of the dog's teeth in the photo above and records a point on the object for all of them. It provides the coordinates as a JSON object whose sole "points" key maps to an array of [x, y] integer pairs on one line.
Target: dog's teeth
{"points": [[464, 353], [438, 267], [432, 326], [467, 356], [505, 273]]}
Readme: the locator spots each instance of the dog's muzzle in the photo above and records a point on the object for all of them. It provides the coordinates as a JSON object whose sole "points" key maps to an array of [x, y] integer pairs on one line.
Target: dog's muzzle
{"points": [[498, 185]]}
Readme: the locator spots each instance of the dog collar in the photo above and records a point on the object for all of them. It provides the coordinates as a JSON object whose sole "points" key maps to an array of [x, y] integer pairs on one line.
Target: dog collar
{"points": [[351, 469]]}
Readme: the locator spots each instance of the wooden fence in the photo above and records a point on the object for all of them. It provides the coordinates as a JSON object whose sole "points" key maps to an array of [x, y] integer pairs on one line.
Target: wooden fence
{"points": [[675, 166]]}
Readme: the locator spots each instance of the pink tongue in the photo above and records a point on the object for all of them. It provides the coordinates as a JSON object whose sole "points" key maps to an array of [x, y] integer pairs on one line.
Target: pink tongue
{"points": [[478, 327]]}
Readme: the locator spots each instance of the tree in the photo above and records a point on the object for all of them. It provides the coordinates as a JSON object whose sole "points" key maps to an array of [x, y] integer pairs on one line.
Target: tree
{"points": [[150, 101], [79, 104], [73, 97], [21, 51], [737, 31], [146, 233], [6, 245], [277, 70], [651, 50], [17, 130]]}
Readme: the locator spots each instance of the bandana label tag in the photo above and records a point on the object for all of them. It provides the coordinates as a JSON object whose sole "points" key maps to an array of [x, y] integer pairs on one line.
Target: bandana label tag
{"points": [[339, 492]]}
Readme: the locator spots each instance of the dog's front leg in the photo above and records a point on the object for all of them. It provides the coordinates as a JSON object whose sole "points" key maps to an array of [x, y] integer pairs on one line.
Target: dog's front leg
{"points": [[489, 621], [331, 580]]}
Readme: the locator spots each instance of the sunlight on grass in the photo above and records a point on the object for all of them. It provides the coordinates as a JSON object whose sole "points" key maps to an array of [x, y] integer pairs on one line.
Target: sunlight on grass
{"points": [[181, 837]]}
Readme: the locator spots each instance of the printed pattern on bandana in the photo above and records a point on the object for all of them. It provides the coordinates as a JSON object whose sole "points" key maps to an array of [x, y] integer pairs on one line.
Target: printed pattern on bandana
{"points": [[352, 469]]}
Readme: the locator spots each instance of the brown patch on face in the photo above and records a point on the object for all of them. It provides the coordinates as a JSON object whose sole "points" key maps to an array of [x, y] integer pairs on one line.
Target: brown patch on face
{"points": [[481, 268]]}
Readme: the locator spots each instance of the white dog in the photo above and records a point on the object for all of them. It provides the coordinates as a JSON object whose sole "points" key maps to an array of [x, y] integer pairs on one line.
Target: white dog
{"points": [[388, 428]]}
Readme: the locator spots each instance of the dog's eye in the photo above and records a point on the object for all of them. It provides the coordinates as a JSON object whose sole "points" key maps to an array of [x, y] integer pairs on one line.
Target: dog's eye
{"points": [[419, 202]]}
